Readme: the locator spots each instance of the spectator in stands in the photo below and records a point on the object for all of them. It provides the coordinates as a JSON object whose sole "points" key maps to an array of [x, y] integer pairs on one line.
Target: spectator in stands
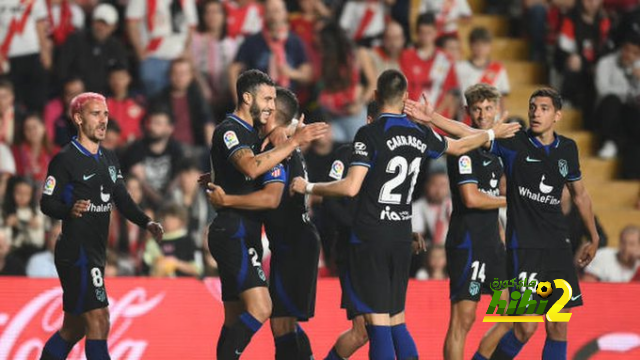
{"points": [[64, 18], [33, 150], [154, 158], [89, 54], [7, 170], [25, 51], [41, 264], [60, 128], [430, 70], [448, 13], [212, 52], [276, 51], [159, 34], [113, 138], [583, 38], [617, 265], [187, 194], [244, 18], [189, 111], [127, 110], [435, 264], [480, 68], [175, 254], [363, 20], [450, 45], [306, 23], [343, 97], [431, 213], [618, 88], [9, 264], [10, 114], [24, 218], [387, 56]]}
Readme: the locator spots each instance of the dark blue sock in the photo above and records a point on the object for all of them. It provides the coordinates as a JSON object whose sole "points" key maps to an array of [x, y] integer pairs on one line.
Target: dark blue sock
{"points": [[554, 350], [304, 345], [238, 336], [508, 347], [380, 343], [57, 347], [333, 355], [287, 346], [403, 342], [222, 338], [96, 350], [477, 356]]}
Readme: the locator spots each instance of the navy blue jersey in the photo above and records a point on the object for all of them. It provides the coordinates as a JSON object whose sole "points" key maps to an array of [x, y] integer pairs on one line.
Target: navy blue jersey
{"points": [[536, 175], [393, 148], [76, 174]]}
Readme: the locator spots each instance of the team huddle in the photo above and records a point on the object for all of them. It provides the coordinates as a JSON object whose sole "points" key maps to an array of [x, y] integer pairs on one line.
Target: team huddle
{"points": [[492, 164]]}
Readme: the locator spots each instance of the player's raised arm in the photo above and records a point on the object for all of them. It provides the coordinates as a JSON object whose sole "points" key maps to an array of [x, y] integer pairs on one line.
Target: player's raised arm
{"points": [[424, 113], [349, 186], [483, 138]]}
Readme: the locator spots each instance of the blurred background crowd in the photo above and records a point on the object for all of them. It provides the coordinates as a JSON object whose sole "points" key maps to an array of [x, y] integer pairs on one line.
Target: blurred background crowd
{"points": [[168, 69]]}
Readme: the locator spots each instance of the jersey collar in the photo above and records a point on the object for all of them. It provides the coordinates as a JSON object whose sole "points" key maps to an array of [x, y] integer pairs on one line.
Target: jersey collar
{"points": [[237, 119], [83, 150], [397, 120], [539, 145]]}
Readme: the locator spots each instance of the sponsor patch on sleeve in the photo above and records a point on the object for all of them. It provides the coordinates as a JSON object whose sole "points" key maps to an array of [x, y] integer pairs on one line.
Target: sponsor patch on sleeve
{"points": [[230, 139], [464, 165], [361, 148], [337, 169], [49, 185]]}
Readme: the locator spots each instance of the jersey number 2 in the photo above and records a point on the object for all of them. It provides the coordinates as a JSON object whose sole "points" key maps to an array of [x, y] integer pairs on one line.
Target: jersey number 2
{"points": [[399, 164]]}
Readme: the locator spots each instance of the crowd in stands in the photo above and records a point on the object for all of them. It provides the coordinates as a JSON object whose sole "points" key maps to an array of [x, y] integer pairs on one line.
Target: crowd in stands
{"points": [[168, 69]]}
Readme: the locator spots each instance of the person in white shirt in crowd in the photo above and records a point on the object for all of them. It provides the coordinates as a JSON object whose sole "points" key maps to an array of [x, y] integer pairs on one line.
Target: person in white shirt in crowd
{"points": [[617, 265], [41, 264], [363, 20], [432, 212], [387, 56], [448, 13], [159, 37]]}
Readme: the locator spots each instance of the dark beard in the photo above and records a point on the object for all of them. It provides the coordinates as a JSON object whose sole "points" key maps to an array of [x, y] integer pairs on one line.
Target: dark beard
{"points": [[255, 114]]}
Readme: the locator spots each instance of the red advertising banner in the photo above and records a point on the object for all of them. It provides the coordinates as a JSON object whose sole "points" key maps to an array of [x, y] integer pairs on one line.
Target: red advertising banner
{"points": [[180, 319]]}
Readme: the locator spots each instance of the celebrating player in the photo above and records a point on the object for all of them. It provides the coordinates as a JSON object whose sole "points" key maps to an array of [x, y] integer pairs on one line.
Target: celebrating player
{"points": [[393, 148], [82, 182], [474, 250], [234, 235]]}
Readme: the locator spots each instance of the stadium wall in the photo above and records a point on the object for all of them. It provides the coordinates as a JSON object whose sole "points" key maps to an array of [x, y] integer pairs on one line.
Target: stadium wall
{"points": [[180, 319]]}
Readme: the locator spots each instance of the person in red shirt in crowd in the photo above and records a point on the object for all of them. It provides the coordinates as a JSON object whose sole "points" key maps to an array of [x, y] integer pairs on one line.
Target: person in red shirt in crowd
{"points": [[244, 17], [59, 127], [306, 25], [33, 151], [429, 70], [64, 17], [125, 109]]}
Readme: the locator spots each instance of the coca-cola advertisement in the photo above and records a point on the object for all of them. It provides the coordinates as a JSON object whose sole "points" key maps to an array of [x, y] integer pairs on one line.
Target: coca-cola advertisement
{"points": [[181, 319]]}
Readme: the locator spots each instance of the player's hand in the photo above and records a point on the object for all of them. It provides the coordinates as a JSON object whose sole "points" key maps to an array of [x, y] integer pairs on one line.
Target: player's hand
{"points": [[204, 179], [276, 137], [79, 207], [421, 112], [418, 244], [216, 195], [587, 252], [155, 229], [504, 130], [307, 133], [298, 185]]}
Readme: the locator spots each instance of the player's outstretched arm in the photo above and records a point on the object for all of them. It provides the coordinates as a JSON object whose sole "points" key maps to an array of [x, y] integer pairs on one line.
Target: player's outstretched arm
{"points": [[264, 199], [253, 165], [349, 186], [483, 138], [425, 114], [582, 200], [473, 198]]}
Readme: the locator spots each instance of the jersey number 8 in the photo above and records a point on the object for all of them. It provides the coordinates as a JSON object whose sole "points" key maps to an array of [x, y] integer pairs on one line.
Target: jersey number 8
{"points": [[96, 276], [400, 165]]}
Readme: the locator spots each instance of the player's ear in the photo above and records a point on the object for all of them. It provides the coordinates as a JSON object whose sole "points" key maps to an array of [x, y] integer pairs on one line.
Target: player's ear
{"points": [[557, 116], [375, 95], [247, 98]]}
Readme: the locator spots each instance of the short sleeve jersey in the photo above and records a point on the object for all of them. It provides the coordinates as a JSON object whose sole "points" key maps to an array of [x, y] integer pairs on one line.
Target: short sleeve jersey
{"points": [[76, 174], [393, 148], [536, 175], [484, 169]]}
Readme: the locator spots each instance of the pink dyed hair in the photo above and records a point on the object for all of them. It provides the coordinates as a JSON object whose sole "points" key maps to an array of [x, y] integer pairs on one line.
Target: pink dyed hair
{"points": [[79, 101]]}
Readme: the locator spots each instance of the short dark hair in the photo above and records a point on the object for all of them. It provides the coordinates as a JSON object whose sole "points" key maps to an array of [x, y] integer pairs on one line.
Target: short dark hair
{"points": [[188, 164], [392, 84], [249, 81], [481, 92], [175, 210], [427, 18], [373, 109], [479, 34], [6, 84], [118, 66], [113, 125], [287, 105], [551, 93], [158, 111]]}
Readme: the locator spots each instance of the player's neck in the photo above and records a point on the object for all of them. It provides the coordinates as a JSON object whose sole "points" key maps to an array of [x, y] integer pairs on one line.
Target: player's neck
{"points": [[546, 138], [391, 110], [244, 115], [88, 144]]}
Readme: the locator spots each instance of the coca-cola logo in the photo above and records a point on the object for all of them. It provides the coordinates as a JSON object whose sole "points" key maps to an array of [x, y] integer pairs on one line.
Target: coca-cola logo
{"points": [[24, 333]]}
